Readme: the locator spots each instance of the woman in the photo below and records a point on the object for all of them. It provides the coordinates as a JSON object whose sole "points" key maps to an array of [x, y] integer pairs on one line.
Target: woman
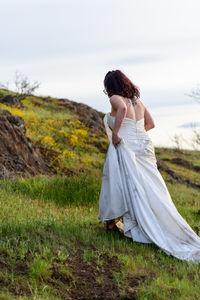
{"points": [[132, 187]]}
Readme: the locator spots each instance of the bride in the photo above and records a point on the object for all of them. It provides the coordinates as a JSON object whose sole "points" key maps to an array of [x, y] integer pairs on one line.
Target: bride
{"points": [[132, 187]]}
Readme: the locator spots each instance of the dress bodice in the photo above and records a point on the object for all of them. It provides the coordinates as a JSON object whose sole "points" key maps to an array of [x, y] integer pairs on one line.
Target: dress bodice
{"points": [[129, 129], [133, 134]]}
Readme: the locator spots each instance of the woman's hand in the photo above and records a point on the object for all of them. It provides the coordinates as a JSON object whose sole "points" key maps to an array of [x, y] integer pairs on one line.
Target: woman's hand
{"points": [[115, 139]]}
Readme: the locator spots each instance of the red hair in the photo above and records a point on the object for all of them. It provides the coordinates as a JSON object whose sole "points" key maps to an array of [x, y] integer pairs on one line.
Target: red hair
{"points": [[117, 83]]}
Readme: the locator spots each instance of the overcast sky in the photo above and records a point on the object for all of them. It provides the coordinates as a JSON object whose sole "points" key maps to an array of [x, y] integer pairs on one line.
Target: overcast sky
{"points": [[69, 46]]}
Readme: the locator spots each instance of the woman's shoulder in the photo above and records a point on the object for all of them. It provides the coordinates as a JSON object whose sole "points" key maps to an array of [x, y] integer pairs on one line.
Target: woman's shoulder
{"points": [[116, 99], [115, 96]]}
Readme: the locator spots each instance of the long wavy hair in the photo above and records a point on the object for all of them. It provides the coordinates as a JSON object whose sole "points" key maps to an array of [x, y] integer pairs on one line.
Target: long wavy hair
{"points": [[117, 83]]}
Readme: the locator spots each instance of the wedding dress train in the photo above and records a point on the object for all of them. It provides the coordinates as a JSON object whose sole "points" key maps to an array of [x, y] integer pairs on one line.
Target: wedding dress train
{"points": [[133, 187]]}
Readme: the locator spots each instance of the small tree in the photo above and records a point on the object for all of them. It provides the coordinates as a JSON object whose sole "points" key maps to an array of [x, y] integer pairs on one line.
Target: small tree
{"points": [[4, 85], [176, 139], [195, 94], [23, 87], [196, 138]]}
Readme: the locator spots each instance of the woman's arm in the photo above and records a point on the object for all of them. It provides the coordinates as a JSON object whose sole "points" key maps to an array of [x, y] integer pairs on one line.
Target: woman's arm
{"points": [[120, 107], [149, 122]]}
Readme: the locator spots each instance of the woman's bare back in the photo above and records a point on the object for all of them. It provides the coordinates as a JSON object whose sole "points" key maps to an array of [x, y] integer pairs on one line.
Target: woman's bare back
{"points": [[134, 111]]}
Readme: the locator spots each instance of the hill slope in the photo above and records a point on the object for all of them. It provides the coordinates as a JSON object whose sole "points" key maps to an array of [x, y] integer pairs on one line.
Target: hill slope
{"points": [[69, 135], [71, 138], [52, 245]]}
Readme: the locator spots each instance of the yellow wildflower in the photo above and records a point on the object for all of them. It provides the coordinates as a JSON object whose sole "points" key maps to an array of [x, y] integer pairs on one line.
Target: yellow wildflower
{"points": [[49, 141]]}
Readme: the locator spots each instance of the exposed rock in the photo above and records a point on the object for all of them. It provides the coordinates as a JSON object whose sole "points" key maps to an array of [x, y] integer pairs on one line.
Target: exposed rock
{"points": [[18, 121], [183, 162], [18, 155], [197, 168], [10, 100], [5, 112], [163, 167], [86, 114]]}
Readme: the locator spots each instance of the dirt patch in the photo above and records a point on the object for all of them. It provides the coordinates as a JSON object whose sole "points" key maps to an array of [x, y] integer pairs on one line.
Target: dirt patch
{"points": [[76, 276], [19, 268], [93, 279]]}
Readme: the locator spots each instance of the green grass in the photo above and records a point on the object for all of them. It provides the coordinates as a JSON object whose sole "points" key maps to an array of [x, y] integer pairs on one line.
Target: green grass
{"points": [[46, 220], [52, 245], [73, 190]]}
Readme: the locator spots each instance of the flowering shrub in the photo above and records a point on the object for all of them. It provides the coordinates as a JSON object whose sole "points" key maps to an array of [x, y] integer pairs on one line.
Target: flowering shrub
{"points": [[18, 112], [53, 129], [49, 142]]}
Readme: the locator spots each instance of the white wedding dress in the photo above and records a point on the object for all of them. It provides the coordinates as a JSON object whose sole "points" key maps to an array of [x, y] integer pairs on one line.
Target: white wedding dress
{"points": [[133, 187]]}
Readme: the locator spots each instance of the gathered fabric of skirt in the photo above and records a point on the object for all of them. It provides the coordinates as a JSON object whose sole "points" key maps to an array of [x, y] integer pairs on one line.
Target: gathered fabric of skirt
{"points": [[133, 187]]}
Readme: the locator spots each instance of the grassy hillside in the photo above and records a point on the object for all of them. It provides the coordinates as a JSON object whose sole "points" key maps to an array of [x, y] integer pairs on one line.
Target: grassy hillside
{"points": [[52, 245], [67, 142]]}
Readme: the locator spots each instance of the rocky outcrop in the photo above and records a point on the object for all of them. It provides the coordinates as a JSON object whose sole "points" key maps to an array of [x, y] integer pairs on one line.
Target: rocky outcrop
{"points": [[183, 162], [18, 155], [86, 114], [163, 167], [10, 100]]}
